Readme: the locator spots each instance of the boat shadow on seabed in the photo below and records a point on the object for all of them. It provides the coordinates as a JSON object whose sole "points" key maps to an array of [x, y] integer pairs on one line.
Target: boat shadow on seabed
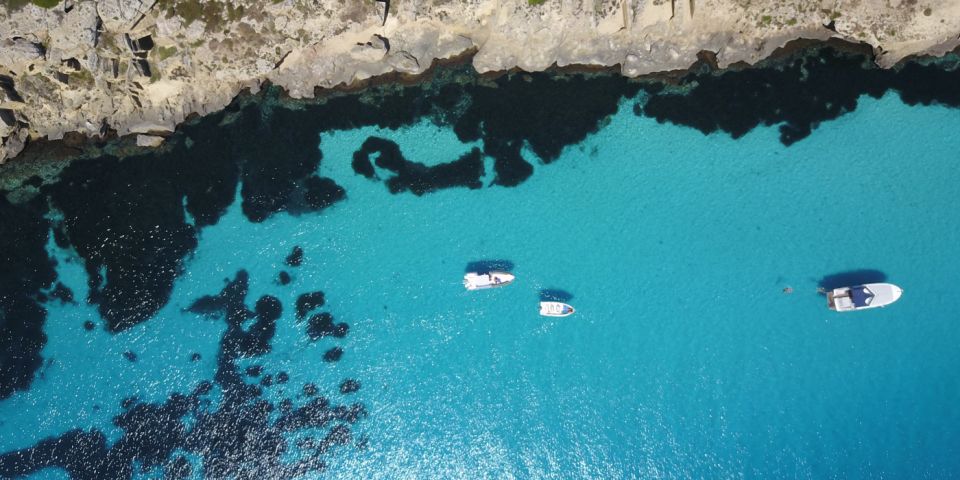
{"points": [[555, 295], [487, 266], [848, 278]]}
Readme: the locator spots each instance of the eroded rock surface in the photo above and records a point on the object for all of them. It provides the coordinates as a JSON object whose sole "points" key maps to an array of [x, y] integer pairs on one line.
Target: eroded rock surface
{"points": [[138, 66]]}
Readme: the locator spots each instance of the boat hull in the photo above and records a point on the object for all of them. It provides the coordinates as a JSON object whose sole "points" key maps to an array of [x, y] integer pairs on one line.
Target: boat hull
{"points": [[482, 281], [556, 309], [863, 297]]}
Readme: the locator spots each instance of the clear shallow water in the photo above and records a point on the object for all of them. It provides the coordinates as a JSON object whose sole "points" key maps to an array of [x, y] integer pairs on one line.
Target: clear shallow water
{"points": [[685, 358]]}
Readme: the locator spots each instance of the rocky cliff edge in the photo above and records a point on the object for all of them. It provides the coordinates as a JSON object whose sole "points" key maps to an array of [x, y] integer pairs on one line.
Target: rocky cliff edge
{"points": [[142, 66]]}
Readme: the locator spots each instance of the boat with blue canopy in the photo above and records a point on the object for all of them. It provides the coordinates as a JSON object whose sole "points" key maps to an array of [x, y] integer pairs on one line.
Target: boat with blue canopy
{"points": [[862, 297]]}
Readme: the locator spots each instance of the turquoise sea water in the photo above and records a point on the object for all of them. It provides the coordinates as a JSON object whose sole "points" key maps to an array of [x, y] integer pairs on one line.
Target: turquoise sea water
{"points": [[685, 359]]}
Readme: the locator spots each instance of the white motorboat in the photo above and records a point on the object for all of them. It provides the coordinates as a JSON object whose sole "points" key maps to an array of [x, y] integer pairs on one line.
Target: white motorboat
{"points": [[480, 281], [862, 297], [555, 309]]}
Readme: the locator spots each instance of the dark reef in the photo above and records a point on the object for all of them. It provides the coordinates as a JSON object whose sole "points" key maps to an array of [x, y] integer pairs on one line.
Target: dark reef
{"points": [[295, 258], [417, 177], [239, 438], [62, 293], [133, 234], [307, 302], [321, 325], [541, 110], [25, 270], [333, 355], [349, 386], [798, 92]]}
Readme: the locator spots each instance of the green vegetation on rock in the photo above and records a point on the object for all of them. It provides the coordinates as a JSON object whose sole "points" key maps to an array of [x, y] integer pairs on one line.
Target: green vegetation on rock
{"points": [[82, 78], [536, 2], [14, 5], [211, 12], [164, 53]]}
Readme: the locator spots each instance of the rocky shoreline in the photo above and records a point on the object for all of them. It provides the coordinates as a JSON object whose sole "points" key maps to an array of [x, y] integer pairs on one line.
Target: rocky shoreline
{"points": [[141, 67], [133, 215]]}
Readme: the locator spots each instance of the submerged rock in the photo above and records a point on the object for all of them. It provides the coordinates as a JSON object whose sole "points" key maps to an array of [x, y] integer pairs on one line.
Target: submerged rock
{"points": [[322, 325], [295, 258], [333, 355], [349, 386], [149, 140], [307, 302]]}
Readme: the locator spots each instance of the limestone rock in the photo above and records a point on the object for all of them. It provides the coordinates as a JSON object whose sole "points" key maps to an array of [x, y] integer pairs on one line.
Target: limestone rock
{"points": [[71, 70], [13, 145], [372, 50], [76, 33], [18, 54], [404, 62], [120, 15], [149, 140]]}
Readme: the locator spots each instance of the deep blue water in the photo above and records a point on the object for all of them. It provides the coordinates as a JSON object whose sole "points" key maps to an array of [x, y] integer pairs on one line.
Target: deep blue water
{"points": [[685, 359]]}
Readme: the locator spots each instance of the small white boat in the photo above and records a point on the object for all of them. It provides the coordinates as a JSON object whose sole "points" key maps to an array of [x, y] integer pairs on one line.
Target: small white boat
{"points": [[555, 309], [862, 297], [480, 281]]}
